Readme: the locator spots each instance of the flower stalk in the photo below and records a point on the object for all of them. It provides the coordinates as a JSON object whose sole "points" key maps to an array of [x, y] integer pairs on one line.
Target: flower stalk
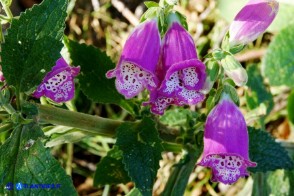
{"points": [[97, 125]]}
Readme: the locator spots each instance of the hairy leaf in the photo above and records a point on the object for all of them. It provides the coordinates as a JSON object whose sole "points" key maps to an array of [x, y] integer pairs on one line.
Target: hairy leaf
{"points": [[94, 84], [110, 170], [141, 149], [33, 44], [278, 63], [25, 160], [268, 154]]}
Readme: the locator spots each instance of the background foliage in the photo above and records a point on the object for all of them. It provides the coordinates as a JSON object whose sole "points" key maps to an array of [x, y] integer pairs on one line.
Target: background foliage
{"points": [[95, 32]]}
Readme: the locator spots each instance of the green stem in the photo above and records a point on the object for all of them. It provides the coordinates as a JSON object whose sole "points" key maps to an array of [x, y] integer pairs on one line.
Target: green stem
{"points": [[7, 10], [5, 105], [5, 18], [69, 149], [93, 124]]}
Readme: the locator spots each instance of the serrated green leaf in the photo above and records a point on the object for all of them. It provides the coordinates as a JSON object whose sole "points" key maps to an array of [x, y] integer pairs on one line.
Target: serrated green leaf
{"points": [[268, 154], [24, 159], [110, 170], [278, 63], [141, 149], [150, 4], [290, 107], [33, 44], [93, 82], [258, 93]]}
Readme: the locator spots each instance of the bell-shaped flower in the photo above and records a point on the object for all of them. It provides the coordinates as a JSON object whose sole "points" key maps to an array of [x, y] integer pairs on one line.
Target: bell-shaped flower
{"points": [[136, 68], [181, 73], [252, 20], [58, 84], [226, 143]]}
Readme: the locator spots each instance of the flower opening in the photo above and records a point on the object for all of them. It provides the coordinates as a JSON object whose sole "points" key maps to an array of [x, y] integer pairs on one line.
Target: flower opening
{"points": [[136, 68], [58, 84], [181, 73]]}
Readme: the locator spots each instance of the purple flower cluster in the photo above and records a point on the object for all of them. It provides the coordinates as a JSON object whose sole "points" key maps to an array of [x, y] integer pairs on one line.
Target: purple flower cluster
{"points": [[170, 70]]}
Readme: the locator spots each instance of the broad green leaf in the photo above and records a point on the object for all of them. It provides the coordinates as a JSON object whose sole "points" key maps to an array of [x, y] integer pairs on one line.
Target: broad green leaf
{"points": [[141, 149], [178, 180], [24, 159], [93, 82], [268, 154], [110, 170], [258, 93], [278, 63], [290, 107], [33, 44]]}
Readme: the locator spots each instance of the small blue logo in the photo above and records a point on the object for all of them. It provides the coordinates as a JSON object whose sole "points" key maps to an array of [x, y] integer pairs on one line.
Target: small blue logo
{"points": [[9, 186], [19, 186]]}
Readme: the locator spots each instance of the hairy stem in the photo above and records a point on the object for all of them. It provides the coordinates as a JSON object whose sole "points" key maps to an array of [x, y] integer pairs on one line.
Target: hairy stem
{"points": [[97, 125], [89, 123]]}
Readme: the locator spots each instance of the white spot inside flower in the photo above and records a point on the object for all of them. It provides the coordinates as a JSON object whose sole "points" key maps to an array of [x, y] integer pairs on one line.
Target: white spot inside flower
{"points": [[133, 79]]}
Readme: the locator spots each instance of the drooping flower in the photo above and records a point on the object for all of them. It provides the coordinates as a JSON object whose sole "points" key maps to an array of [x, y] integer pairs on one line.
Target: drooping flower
{"points": [[226, 143], [136, 68], [252, 20], [58, 84], [181, 73]]}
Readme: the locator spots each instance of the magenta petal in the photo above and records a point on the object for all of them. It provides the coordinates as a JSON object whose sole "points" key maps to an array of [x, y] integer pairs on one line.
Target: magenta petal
{"points": [[183, 74], [58, 84], [136, 68], [252, 20], [226, 143]]}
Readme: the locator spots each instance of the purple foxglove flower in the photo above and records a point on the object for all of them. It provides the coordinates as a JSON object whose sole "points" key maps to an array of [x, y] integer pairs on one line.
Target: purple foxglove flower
{"points": [[58, 84], [226, 143], [181, 72], [137, 65], [252, 20]]}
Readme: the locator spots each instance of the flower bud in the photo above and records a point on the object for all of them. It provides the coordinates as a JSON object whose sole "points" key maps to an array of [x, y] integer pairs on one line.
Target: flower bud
{"points": [[252, 20], [234, 70]]}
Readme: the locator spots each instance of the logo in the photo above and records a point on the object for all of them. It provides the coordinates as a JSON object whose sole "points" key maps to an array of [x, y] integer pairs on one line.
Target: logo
{"points": [[18, 186], [9, 186]]}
